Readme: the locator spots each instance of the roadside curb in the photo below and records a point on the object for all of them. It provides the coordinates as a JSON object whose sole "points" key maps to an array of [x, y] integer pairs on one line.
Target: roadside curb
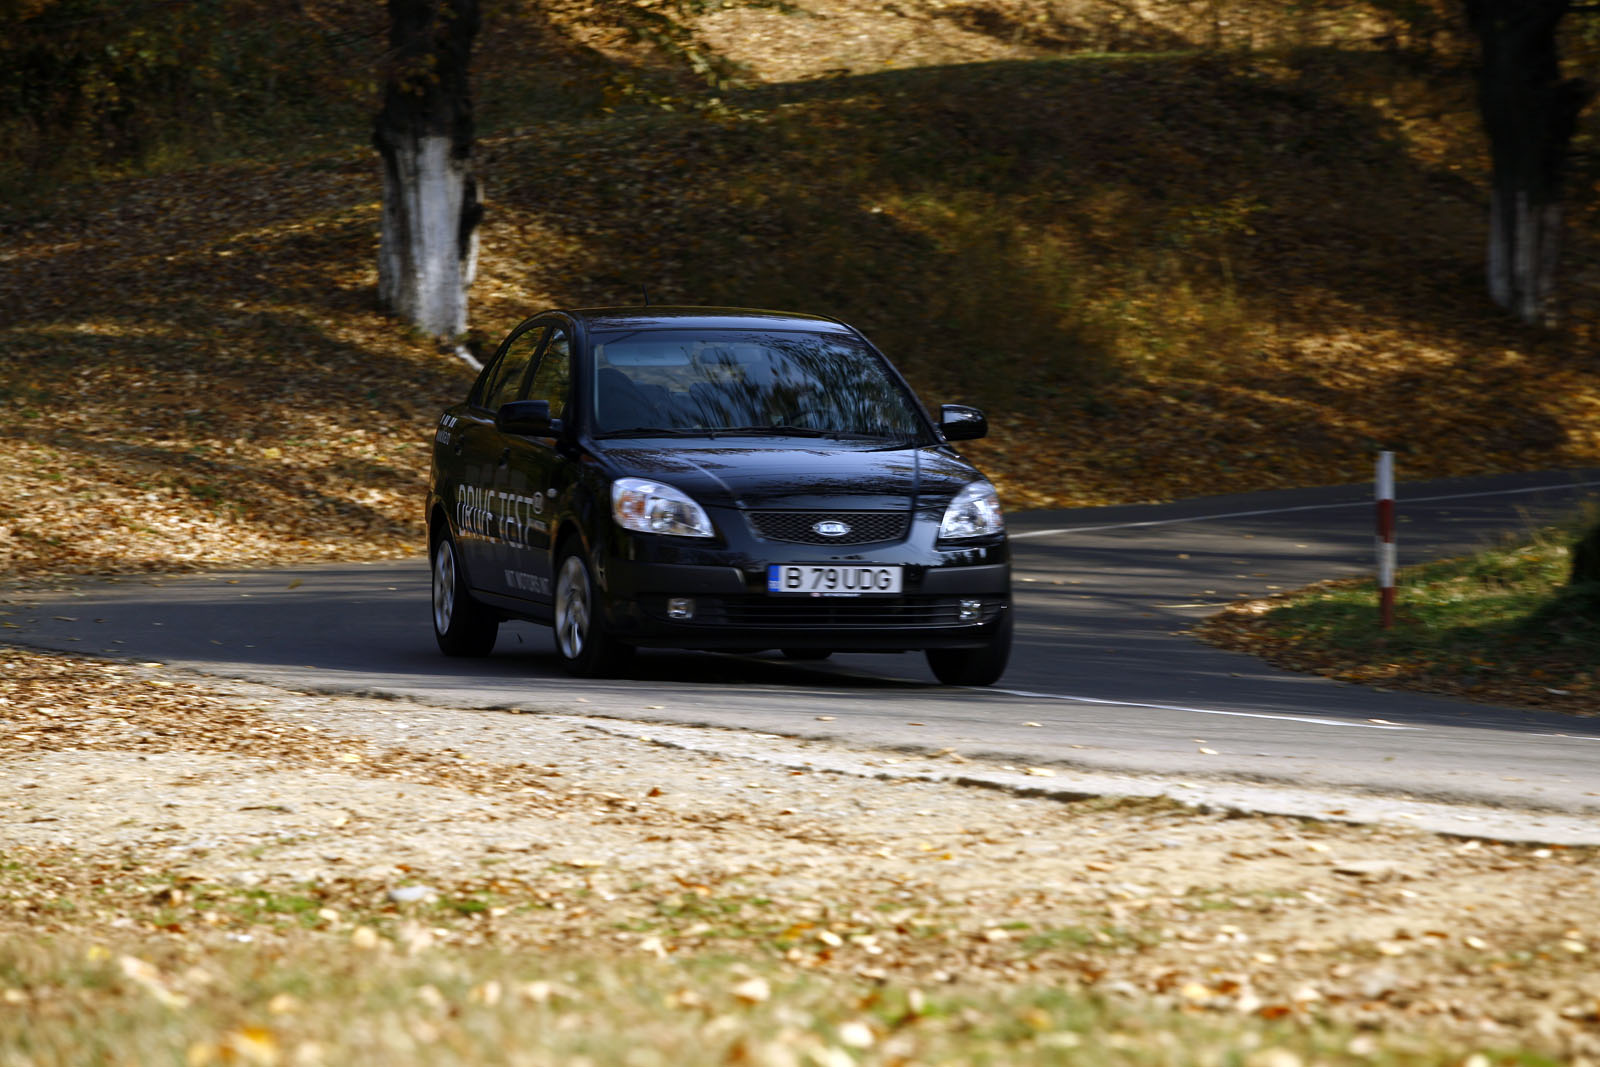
{"points": [[1469, 820]]}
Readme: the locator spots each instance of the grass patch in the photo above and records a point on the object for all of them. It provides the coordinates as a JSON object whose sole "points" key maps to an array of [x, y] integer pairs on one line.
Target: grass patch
{"points": [[264, 906], [1078, 937], [316, 999], [1502, 624]]}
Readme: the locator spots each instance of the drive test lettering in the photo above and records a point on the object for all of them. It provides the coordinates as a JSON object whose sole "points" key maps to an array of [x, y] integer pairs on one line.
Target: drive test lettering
{"points": [[501, 517]]}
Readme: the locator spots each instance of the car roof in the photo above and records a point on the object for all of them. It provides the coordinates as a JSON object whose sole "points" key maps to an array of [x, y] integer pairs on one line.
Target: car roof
{"points": [[707, 318]]}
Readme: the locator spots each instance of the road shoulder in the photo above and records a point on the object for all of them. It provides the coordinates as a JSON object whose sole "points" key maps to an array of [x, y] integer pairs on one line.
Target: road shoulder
{"points": [[125, 776]]}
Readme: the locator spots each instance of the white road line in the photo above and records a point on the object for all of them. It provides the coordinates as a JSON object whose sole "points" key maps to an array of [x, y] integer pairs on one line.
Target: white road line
{"points": [[1364, 502], [1199, 711]]}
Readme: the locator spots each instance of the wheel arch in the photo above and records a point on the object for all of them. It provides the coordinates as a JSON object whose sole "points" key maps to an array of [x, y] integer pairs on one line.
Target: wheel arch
{"points": [[438, 523], [569, 529], [439, 527]]}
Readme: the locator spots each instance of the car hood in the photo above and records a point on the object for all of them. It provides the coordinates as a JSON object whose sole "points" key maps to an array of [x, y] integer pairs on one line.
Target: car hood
{"points": [[802, 477]]}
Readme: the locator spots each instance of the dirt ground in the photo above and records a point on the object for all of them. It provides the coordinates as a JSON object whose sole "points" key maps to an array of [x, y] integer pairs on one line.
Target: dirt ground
{"points": [[137, 799]]}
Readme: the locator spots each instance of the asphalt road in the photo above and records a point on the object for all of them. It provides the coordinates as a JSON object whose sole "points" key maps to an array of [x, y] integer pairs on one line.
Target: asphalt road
{"points": [[1102, 679]]}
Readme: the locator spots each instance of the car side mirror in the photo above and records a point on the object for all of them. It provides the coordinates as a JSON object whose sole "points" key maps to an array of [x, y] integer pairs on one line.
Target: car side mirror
{"points": [[958, 422], [527, 418]]}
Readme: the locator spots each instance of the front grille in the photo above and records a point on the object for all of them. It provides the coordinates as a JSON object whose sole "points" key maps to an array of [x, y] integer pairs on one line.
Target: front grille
{"points": [[795, 527], [829, 612]]}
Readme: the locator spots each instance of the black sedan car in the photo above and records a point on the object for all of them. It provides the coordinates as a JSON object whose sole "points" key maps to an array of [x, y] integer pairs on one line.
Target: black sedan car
{"points": [[713, 478]]}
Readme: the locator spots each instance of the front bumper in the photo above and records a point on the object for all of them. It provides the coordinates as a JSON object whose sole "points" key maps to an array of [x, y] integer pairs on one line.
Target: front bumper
{"points": [[952, 597]]}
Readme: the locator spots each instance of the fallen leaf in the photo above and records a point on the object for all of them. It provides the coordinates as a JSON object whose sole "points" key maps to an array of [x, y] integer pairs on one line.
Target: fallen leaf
{"points": [[752, 991], [856, 1034], [149, 977]]}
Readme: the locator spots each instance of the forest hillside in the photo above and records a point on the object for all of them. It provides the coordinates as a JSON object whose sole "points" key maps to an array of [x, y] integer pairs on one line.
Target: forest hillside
{"points": [[1174, 247]]}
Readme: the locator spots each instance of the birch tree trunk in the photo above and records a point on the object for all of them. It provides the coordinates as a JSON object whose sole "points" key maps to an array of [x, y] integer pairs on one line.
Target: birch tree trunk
{"points": [[428, 250], [1529, 113]]}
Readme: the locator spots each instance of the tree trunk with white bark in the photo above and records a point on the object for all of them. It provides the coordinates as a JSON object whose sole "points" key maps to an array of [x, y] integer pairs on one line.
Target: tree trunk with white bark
{"points": [[1529, 112], [428, 250]]}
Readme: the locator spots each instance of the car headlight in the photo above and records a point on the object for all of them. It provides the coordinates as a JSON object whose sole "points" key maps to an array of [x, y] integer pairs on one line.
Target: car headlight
{"points": [[975, 512], [650, 507]]}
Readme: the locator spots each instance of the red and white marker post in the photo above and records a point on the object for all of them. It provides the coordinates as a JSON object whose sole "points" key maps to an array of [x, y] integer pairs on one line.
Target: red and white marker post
{"points": [[1386, 552]]}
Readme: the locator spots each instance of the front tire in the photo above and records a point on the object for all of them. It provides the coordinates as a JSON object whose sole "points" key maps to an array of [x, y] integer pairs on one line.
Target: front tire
{"points": [[587, 649], [974, 666], [461, 625]]}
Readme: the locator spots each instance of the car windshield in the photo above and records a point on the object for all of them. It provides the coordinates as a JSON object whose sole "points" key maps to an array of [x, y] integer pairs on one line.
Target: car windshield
{"points": [[691, 383]]}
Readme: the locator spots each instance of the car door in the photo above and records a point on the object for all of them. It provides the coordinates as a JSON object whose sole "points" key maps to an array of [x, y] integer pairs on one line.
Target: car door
{"points": [[481, 515], [534, 474]]}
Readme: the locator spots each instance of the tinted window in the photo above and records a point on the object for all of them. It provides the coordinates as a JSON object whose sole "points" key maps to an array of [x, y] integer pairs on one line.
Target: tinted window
{"points": [[506, 381], [742, 381], [553, 380]]}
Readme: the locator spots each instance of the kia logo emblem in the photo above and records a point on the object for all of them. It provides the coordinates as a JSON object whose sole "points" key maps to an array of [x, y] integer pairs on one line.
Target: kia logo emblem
{"points": [[831, 528]]}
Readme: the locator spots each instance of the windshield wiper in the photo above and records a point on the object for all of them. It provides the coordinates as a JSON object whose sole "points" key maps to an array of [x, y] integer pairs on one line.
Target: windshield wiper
{"points": [[657, 431], [891, 439], [780, 431]]}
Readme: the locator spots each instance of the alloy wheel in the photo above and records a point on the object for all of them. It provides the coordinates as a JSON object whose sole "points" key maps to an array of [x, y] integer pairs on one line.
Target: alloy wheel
{"points": [[572, 607], [444, 586]]}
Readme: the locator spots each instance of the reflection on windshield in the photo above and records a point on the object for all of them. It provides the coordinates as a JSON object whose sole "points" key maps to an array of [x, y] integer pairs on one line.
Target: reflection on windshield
{"points": [[693, 383]]}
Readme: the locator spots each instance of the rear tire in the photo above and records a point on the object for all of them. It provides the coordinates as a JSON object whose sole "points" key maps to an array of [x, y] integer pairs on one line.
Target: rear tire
{"points": [[587, 649], [974, 666], [461, 625]]}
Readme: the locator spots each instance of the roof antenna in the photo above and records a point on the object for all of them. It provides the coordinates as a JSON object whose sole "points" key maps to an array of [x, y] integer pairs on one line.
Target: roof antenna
{"points": [[646, 294]]}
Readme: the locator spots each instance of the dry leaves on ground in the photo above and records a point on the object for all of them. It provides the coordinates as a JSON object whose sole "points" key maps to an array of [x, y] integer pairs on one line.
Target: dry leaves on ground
{"points": [[1521, 681], [194, 371], [513, 830]]}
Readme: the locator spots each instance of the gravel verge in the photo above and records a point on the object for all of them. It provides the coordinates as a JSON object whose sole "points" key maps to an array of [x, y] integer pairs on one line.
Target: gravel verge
{"points": [[127, 778]]}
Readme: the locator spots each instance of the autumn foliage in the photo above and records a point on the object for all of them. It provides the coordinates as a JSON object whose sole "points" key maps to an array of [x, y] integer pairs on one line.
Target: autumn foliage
{"points": [[87, 84], [1171, 257]]}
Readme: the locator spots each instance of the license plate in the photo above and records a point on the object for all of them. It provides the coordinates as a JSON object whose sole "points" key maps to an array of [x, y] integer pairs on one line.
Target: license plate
{"points": [[832, 579]]}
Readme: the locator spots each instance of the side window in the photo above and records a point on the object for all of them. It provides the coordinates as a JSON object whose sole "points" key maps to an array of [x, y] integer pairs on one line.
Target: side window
{"points": [[553, 380], [506, 382]]}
